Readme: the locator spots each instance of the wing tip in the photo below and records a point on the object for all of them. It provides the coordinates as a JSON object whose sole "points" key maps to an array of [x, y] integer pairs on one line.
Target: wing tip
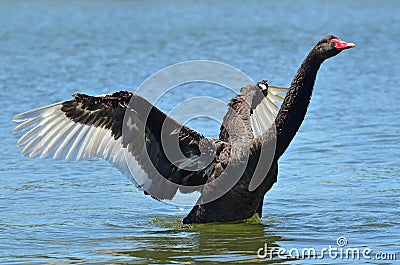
{"points": [[23, 116]]}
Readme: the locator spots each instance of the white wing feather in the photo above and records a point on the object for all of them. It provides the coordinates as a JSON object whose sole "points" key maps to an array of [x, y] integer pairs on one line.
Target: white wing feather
{"points": [[265, 113], [48, 132]]}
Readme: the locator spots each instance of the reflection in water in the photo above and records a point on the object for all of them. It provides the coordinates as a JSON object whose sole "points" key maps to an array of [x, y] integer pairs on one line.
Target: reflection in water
{"points": [[172, 242]]}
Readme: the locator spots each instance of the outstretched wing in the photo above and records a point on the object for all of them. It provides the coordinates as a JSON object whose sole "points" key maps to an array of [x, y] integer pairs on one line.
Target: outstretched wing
{"points": [[252, 112], [159, 154], [265, 112]]}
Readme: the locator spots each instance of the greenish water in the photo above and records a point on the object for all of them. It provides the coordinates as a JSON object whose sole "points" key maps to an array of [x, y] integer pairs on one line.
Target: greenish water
{"points": [[340, 176]]}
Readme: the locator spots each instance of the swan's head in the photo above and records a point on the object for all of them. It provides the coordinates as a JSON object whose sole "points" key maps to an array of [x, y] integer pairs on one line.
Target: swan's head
{"points": [[331, 45]]}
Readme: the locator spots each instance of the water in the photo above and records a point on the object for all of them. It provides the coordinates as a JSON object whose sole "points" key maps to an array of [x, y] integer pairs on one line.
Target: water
{"points": [[340, 176]]}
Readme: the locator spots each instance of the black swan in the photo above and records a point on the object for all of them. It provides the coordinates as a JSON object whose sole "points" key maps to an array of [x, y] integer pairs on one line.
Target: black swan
{"points": [[163, 156]]}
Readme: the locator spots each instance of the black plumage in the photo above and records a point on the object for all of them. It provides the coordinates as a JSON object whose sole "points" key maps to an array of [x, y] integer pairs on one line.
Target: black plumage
{"points": [[131, 133]]}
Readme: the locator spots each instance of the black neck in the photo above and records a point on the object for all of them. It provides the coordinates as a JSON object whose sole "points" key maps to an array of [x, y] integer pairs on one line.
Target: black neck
{"points": [[294, 107]]}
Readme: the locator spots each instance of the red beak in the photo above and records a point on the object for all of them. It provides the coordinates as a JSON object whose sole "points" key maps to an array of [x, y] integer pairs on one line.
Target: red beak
{"points": [[342, 45]]}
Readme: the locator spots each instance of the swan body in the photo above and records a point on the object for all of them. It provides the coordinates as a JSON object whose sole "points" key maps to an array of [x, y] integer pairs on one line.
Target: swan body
{"points": [[136, 137]]}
